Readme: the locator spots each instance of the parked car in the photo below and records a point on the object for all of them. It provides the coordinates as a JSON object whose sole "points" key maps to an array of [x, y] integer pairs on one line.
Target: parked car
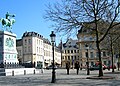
{"points": [[94, 67], [104, 67], [97, 67], [110, 67], [28, 64], [51, 66]]}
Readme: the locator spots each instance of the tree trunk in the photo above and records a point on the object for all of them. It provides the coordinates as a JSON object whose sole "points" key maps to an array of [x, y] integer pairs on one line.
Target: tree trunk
{"points": [[100, 61], [112, 61], [112, 54], [99, 51]]}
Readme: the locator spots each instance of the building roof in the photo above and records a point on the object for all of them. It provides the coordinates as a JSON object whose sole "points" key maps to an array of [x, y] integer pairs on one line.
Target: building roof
{"points": [[19, 42], [46, 41], [70, 44], [32, 34]]}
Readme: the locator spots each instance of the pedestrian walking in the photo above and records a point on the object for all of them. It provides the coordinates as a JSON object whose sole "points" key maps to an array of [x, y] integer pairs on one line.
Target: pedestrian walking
{"points": [[68, 67], [77, 66]]}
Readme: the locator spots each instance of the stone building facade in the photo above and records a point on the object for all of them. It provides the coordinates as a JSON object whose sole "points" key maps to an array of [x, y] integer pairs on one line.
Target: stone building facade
{"points": [[86, 38], [32, 47], [70, 52]]}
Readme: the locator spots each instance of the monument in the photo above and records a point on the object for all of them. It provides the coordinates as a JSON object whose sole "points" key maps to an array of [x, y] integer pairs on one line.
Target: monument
{"points": [[9, 64], [8, 52]]}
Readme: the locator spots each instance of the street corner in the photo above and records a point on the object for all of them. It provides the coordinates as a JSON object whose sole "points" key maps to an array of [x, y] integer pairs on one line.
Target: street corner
{"points": [[101, 77]]}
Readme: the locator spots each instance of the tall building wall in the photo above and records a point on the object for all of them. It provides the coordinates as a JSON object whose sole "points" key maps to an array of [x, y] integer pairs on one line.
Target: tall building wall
{"points": [[36, 49]]}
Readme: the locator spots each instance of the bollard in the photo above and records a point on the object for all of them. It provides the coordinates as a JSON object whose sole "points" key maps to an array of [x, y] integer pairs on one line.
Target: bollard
{"points": [[34, 71], [41, 70], [24, 72], [12, 72]]}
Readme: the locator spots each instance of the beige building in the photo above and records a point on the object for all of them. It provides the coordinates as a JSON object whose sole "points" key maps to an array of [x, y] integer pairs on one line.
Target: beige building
{"points": [[85, 38], [70, 52], [57, 56], [47, 52], [30, 48], [36, 49]]}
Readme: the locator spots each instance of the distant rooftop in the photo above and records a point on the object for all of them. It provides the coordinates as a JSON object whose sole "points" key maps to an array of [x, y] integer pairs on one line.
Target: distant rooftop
{"points": [[46, 41], [33, 34], [19, 42]]}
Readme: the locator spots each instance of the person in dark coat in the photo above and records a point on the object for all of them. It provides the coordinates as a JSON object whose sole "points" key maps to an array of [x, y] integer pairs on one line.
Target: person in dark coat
{"points": [[77, 66], [68, 67]]}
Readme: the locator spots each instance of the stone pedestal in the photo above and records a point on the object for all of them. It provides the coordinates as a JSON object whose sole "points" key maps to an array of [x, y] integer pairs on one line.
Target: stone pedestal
{"points": [[8, 52]]}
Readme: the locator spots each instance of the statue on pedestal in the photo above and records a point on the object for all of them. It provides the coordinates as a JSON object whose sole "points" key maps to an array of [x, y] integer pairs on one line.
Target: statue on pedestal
{"points": [[8, 21]]}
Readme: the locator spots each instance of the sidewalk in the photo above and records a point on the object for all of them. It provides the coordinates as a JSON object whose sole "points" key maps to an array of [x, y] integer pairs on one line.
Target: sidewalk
{"points": [[106, 76], [62, 79]]}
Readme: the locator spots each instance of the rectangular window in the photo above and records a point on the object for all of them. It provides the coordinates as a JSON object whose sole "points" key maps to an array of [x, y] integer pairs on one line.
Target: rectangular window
{"points": [[37, 49], [19, 52], [68, 57], [91, 55], [75, 57], [104, 53], [37, 41], [72, 57], [86, 54], [29, 49], [78, 57], [108, 53], [25, 49], [25, 41], [68, 51], [71, 51], [29, 41], [92, 63], [74, 51], [97, 54], [65, 57], [41, 43]]}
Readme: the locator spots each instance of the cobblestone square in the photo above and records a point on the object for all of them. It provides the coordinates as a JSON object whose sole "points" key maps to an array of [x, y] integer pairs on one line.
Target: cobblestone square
{"points": [[62, 79]]}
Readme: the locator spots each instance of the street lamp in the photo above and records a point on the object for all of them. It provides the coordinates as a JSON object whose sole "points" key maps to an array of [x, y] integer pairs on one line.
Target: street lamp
{"points": [[88, 71], [61, 52], [52, 35]]}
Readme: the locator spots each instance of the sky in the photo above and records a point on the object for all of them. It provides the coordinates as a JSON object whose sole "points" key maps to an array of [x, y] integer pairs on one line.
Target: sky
{"points": [[29, 16]]}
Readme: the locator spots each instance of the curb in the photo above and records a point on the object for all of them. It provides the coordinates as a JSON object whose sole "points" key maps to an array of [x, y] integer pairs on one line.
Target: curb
{"points": [[102, 77], [112, 73]]}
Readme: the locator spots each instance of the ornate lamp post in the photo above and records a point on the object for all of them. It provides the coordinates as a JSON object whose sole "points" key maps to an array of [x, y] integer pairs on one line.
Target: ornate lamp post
{"points": [[52, 35], [88, 71]]}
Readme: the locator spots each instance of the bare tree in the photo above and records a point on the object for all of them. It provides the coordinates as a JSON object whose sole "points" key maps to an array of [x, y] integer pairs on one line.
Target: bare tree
{"points": [[115, 44], [114, 37], [69, 15], [111, 44]]}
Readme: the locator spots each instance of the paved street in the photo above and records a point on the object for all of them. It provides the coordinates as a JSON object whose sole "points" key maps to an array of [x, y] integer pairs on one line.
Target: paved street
{"points": [[62, 79]]}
